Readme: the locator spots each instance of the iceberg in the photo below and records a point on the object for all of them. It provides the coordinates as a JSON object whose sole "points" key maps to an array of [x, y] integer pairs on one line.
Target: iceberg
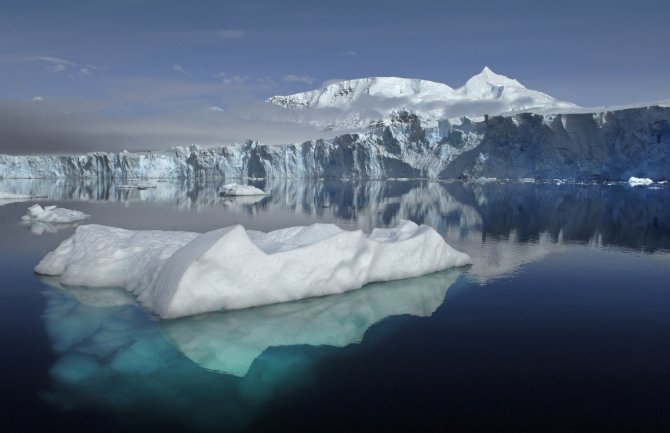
{"points": [[233, 189], [639, 181], [175, 274], [53, 214]]}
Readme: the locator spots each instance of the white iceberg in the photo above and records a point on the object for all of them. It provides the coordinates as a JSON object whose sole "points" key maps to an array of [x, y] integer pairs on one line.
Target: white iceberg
{"points": [[639, 181], [53, 214], [233, 189], [178, 274]]}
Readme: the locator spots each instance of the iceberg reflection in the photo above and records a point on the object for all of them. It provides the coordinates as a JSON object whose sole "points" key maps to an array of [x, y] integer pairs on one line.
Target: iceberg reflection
{"points": [[230, 341], [113, 357]]}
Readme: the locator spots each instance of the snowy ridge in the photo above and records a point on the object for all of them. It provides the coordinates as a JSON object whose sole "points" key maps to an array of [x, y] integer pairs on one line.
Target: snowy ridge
{"points": [[362, 102]]}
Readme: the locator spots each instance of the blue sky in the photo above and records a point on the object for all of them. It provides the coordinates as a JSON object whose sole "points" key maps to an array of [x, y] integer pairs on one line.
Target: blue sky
{"points": [[127, 57]]}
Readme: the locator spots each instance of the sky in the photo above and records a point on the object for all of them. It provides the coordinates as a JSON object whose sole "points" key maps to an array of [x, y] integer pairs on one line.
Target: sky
{"points": [[128, 68]]}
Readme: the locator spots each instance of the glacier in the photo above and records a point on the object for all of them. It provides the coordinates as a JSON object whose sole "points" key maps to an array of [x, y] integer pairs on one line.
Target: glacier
{"points": [[177, 274], [607, 145]]}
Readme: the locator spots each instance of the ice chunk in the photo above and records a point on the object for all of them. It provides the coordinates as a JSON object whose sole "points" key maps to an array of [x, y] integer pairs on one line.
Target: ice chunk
{"points": [[181, 274], [233, 189], [639, 181], [53, 214]]}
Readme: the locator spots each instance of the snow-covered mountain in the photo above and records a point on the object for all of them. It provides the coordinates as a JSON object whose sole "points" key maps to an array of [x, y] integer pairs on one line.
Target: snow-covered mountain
{"points": [[374, 101]]}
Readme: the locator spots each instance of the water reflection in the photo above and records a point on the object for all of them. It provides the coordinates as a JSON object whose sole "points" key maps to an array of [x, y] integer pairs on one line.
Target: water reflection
{"points": [[616, 215], [112, 356], [40, 228]]}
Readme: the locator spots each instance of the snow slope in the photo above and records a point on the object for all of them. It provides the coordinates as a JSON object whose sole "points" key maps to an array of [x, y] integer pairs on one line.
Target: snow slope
{"points": [[373, 101], [178, 274]]}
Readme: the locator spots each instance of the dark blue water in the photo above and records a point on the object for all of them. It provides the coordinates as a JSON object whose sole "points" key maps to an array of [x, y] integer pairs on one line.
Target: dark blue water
{"points": [[560, 325]]}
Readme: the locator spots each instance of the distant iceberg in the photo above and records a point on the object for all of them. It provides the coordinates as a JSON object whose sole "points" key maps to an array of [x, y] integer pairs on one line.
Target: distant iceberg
{"points": [[233, 189], [53, 214], [177, 274], [639, 181]]}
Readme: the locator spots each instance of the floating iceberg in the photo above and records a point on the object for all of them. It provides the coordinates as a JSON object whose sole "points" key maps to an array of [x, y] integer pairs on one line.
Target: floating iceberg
{"points": [[176, 274], [639, 181], [53, 214], [234, 189]]}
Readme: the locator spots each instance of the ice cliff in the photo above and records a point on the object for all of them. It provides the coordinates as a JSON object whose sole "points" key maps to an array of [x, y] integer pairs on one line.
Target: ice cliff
{"points": [[602, 145]]}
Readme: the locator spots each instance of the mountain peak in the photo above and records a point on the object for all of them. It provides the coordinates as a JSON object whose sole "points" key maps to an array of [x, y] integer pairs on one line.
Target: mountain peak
{"points": [[490, 78], [360, 101]]}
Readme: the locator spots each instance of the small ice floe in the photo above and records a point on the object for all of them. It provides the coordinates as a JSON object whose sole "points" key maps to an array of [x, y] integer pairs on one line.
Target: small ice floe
{"points": [[53, 214], [233, 189], [639, 181], [175, 274]]}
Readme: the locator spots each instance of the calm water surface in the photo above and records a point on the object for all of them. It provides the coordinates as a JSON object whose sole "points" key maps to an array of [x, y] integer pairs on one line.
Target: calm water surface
{"points": [[561, 324]]}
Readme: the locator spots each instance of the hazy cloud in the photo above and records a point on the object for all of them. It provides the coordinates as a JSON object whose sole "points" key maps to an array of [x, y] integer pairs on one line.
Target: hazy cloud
{"points": [[30, 128], [54, 64], [227, 78], [298, 79], [350, 53], [231, 34], [88, 70], [178, 68]]}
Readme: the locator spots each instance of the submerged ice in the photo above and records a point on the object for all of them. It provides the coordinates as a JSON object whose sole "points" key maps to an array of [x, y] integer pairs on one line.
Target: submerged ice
{"points": [[176, 274]]}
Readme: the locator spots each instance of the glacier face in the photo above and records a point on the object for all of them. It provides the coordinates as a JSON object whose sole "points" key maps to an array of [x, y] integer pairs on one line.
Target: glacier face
{"points": [[608, 145]]}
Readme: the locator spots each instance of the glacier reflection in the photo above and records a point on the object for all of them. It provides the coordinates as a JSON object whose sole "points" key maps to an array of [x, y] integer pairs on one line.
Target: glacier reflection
{"points": [[112, 356], [616, 215]]}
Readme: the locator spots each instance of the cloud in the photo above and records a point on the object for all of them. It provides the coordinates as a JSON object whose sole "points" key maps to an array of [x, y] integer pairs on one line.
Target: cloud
{"points": [[298, 79], [56, 68], [231, 34], [88, 70], [227, 78], [349, 53], [54, 64]]}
